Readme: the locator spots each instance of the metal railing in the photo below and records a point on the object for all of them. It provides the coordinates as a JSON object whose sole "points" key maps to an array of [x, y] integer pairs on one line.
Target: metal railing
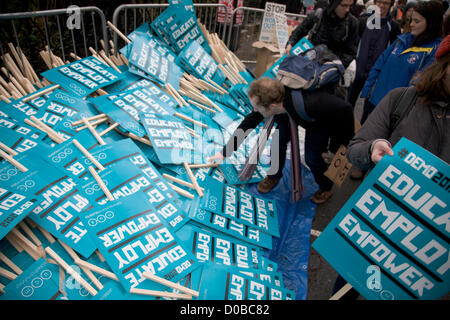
{"points": [[48, 30], [207, 13]]}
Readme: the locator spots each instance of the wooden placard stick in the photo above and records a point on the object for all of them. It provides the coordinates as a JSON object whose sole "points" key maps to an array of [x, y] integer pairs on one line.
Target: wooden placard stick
{"points": [[70, 271], [176, 94], [338, 295], [95, 54], [73, 55], [3, 98], [96, 269], [46, 59], [4, 92], [99, 255], [181, 191], [99, 116], [18, 86], [204, 165], [108, 61], [28, 66], [94, 133], [17, 57], [201, 106], [179, 181], [7, 274], [184, 117], [2, 288], [30, 233], [37, 126], [11, 65], [120, 34], [100, 182], [173, 95], [143, 140], [228, 75], [10, 264], [194, 181], [12, 240], [46, 234], [162, 294], [41, 93], [42, 126], [5, 148], [26, 244], [87, 154], [111, 127], [14, 162], [192, 132], [170, 284], [93, 124], [88, 272]]}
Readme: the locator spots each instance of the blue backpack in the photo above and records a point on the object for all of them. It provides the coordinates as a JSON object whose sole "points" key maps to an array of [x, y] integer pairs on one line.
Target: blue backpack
{"points": [[311, 70]]}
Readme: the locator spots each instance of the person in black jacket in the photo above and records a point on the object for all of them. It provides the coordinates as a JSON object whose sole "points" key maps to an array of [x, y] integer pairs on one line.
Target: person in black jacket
{"points": [[374, 40], [337, 29], [333, 117]]}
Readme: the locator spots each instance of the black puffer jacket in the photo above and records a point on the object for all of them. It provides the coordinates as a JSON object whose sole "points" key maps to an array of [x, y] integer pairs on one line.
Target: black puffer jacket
{"points": [[340, 35], [425, 125]]}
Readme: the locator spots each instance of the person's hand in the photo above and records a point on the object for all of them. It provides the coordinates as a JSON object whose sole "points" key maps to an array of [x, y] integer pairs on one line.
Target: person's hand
{"points": [[288, 49], [217, 158], [380, 148]]}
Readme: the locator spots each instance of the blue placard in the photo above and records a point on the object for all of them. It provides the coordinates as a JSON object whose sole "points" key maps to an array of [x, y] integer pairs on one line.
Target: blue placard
{"points": [[209, 246], [133, 239], [391, 239], [231, 284], [154, 65], [228, 226], [241, 206], [171, 140], [195, 59], [37, 282], [83, 77], [299, 47]]}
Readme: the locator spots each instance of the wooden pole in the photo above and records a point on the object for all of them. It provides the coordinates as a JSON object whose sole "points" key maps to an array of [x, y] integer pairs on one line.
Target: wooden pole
{"points": [[70, 271], [194, 181], [170, 284]]}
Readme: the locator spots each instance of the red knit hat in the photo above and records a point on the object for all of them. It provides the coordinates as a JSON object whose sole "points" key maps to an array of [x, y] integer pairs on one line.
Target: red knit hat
{"points": [[444, 47]]}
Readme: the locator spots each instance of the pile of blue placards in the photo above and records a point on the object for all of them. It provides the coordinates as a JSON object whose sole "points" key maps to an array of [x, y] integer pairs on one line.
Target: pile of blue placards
{"points": [[107, 185]]}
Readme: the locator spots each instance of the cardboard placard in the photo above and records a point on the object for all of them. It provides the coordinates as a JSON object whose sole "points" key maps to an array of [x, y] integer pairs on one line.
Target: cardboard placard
{"points": [[282, 31], [339, 167], [269, 23], [390, 239]]}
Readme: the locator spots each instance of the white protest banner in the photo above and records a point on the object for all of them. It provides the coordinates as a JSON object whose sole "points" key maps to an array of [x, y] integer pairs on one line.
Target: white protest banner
{"points": [[281, 31]]}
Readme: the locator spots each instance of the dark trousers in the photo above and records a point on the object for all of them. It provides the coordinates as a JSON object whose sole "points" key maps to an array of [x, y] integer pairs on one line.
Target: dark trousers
{"points": [[355, 90], [282, 126]]}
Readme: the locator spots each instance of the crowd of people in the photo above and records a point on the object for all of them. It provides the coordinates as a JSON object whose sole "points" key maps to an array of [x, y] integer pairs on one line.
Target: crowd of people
{"points": [[390, 53]]}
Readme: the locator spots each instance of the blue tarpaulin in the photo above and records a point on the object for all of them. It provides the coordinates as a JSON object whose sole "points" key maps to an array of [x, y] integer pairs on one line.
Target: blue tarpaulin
{"points": [[291, 249]]}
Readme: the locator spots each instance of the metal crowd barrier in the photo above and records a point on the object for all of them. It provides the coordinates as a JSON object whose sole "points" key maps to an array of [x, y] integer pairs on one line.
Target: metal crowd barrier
{"points": [[128, 17], [50, 29]]}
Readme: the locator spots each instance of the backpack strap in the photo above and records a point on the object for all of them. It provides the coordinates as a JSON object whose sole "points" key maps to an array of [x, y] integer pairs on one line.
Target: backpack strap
{"points": [[402, 106]]}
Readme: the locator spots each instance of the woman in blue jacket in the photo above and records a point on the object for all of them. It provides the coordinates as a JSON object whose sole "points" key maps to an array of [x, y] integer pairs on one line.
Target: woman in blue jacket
{"points": [[411, 52]]}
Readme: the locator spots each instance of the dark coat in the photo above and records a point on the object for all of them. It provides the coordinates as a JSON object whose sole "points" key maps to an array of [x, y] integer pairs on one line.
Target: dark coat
{"points": [[340, 35], [425, 125], [373, 42]]}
